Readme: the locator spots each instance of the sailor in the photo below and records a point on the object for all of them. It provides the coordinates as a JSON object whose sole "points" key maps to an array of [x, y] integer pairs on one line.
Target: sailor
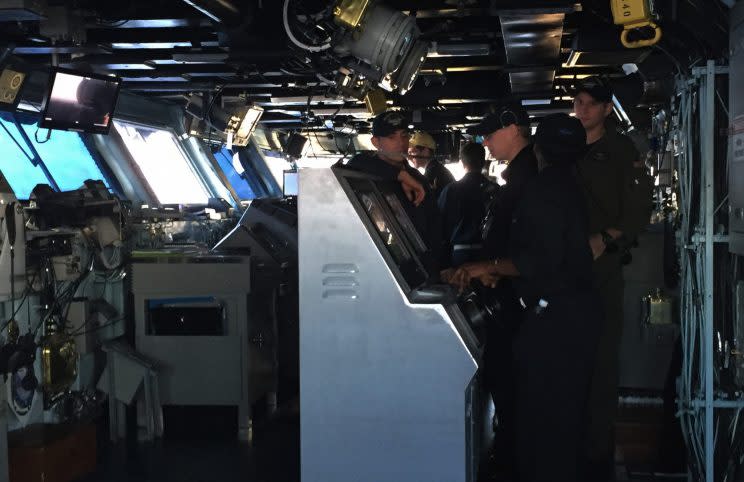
{"points": [[550, 261], [421, 152]]}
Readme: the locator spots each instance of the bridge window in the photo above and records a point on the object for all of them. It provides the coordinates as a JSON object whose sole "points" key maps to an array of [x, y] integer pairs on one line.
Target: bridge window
{"points": [[163, 163], [16, 160], [66, 156]]}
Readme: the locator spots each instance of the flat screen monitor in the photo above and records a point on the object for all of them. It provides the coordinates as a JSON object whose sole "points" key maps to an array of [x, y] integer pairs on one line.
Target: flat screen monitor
{"points": [[291, 183], [80, 101]]}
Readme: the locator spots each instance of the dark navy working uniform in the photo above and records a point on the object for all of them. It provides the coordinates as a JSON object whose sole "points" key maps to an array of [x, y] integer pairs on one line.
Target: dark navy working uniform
{"points": [[498, 357], [438, 177], [518, 173], [499, 372], [463, 207], [556, 342]]}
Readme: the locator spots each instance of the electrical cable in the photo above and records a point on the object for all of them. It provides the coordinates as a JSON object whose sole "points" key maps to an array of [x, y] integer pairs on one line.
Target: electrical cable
{"points": [[100, 327], [26, 292], [36, 136], [310, 48]]}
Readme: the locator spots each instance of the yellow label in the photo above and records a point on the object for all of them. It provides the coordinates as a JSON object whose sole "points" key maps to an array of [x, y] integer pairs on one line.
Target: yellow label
{"points": [[10, 85], [630, 11], [350, 12], [376, 102]]}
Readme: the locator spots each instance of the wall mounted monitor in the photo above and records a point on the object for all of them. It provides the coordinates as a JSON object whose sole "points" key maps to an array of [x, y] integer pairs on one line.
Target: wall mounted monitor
{"points": [[291, 183], [80, 101]]}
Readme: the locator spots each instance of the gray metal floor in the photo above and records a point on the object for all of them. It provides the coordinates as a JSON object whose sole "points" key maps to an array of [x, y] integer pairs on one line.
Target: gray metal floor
{"points": [[272, 457]]}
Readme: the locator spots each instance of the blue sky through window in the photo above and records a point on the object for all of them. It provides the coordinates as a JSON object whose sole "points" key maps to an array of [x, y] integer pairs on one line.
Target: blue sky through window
{"points": [[66, 157], [15, 161]]}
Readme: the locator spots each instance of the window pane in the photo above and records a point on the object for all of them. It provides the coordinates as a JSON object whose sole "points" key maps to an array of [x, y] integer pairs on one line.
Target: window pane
{"points": [[277, 165], [164, 165], [227, 162], [15, 162], [66, 157]]}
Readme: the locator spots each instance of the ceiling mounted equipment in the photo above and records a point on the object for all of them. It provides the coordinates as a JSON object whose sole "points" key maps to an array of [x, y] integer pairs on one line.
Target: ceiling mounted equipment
{"points": [[236, 126], [594, 48], [371, 43], [221, 11], [385, 39], [532, 42], [22, 10], [407, 73], [636, 17], [350, 12]]}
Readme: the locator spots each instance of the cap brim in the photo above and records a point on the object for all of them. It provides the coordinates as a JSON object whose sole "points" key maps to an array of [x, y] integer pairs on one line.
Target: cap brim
{"points": [[479, 130], [603, 97]]}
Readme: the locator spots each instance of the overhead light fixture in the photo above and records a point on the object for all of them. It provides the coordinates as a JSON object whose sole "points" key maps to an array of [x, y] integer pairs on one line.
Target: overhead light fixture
{"points": [[237, 126], [240, 128], [536, 101], [462, 101], [438, 50], [573, 59], [476, 68]]}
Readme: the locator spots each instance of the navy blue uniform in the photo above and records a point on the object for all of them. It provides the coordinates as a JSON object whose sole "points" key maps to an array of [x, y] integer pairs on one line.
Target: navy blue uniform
{"points": [[498, 357], [496, 232], [556, 343], [463, 207], [438, 177]]}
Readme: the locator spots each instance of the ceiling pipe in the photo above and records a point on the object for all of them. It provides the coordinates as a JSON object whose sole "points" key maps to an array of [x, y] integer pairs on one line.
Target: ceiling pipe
{"points": [[221, 11]]}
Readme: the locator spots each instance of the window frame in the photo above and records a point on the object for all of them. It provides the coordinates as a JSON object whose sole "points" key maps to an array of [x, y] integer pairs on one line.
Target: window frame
{"points": [[141, 177], [34, 157]]}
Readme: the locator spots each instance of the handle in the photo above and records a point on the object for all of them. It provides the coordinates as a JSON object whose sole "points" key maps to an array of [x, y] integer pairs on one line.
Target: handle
{"points": [[10, 226], [641, 43]]}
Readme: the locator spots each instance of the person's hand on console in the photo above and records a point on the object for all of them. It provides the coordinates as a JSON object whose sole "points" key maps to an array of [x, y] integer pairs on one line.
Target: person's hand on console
{"points": [[460, 279], [489, 280]]}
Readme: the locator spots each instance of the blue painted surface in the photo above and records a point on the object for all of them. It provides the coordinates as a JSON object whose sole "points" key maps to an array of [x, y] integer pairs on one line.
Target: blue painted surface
{"points": [[65, 155], [15, 160], [67, 158], [238, 182]]}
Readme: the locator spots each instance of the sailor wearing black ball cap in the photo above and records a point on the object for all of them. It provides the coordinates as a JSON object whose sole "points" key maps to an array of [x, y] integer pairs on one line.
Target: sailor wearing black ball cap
{"points": [[551, 263]]}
